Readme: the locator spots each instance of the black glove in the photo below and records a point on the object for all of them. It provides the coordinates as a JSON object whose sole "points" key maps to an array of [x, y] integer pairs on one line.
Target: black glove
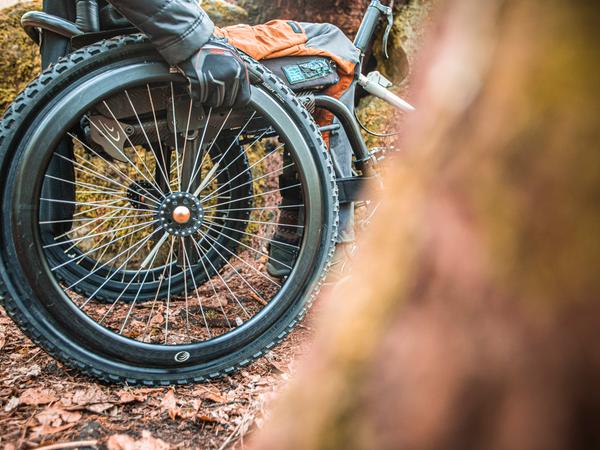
{"points": [[218, 76]]}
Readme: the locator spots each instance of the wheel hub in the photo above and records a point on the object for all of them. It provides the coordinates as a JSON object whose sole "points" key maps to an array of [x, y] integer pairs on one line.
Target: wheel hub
{"points": [[181, 214]]}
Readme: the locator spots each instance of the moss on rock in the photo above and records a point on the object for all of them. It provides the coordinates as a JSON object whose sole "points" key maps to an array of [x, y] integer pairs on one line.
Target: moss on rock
{"points": [[20, 60], [224, 14]]}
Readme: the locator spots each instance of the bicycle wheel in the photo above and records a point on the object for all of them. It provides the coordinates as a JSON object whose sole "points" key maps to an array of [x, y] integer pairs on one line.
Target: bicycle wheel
{"points": [[178, 216], [64, 247]]}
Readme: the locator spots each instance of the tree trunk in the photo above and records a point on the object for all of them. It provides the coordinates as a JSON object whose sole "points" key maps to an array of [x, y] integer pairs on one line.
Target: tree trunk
{"points": [[472, 318]]}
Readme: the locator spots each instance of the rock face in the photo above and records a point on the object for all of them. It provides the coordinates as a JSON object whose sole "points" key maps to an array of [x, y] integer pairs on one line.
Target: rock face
{"points": [[345, 14], [223, 13], [20, 61]]}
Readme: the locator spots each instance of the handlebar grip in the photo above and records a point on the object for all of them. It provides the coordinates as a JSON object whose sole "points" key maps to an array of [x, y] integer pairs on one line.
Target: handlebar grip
{"points": [[384, 94]]}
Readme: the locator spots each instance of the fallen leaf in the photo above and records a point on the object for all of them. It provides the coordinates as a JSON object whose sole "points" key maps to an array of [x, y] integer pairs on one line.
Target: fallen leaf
{"points": [[12, 404], [131, 397], [33, 371], [90, 396], [169, 404], [35, 396], [206, 394], [205, 418], [99, 408], [55, 417], [46, 430], [5, 392], [190, 410], [257, 298], [147, 442], [158, 319]]}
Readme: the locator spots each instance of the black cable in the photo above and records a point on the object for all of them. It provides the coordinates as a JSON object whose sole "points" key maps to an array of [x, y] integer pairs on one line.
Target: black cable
{"points": [[373, 133]]}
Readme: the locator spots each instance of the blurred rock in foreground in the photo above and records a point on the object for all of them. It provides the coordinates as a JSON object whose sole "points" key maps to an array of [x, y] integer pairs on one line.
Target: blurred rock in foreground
{"points": [[472, 319]]}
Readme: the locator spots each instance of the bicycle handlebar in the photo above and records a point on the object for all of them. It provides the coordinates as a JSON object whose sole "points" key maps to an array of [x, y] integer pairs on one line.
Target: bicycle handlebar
{"points": [[366, 32], [378, 86]]}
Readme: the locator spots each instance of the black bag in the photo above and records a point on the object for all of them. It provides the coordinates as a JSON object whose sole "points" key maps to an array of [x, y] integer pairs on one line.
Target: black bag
{"points": [[304, 73]]}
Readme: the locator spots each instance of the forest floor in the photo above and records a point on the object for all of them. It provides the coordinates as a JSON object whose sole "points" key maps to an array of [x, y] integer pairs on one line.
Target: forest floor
{"points": [[43, 403]]}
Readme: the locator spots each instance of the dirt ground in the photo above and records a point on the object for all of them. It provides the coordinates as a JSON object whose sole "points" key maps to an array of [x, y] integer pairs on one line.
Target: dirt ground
{"points": [[42, 403]]}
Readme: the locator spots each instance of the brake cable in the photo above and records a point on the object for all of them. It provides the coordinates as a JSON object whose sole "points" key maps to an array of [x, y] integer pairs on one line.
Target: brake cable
{"points": [[373, 133]]}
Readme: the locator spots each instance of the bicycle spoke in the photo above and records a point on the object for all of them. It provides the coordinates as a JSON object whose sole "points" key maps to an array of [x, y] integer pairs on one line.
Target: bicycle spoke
{"points": [[186, 258], [102, 219], [139, 246], [247, 246], [242, 278], [158, 289], [160, 167], [92, 236], [94, 250], [225, 283], [274, 191], [262, 238], [81, 183], [178, 181], [185, 289], [209, 180], [111, 165], [105, 251], [167, 314], [241, 173], [273, 173], [201, 256], [164, 164], [193, 172], [207, 236], [260, 208], [122, 152], [135, 299], [99, 204], [197, 171], [90, 220]]}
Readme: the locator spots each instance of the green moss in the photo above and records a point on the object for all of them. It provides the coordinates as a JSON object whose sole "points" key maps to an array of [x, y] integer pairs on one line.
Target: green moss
{"points": [[224, 14], [20, 61]]}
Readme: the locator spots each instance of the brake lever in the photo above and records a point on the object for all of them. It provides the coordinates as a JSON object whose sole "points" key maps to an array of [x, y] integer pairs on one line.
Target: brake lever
{"points": [[388, 31], [388, 12]]}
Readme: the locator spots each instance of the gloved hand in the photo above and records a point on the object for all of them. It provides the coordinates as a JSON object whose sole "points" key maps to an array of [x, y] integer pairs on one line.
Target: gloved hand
{"points": [[218, 76]]}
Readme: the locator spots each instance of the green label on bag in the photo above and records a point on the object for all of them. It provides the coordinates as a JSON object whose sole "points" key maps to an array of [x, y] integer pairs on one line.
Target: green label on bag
{"points": [[299, 73]]}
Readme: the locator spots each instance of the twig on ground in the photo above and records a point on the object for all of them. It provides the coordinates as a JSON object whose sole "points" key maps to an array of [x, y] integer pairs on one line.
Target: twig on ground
{"points": [[66, 445]]}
